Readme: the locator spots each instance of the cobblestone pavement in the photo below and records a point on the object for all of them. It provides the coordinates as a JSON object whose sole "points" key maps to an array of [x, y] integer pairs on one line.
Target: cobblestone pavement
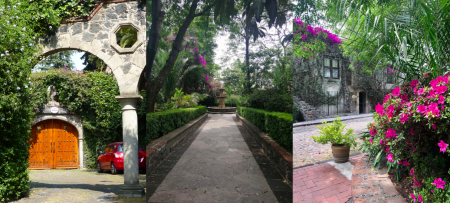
{"points": [[326, 182], [76, 186], [306, 151], [217, 167]]}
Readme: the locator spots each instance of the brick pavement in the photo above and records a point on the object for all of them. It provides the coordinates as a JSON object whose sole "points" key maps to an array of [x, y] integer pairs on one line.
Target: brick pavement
{"points": [[322, 183]]}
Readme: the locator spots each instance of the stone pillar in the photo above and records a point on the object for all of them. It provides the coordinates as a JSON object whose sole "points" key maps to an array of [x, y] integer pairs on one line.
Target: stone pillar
{"points": [[131, 187], [81, 154]]}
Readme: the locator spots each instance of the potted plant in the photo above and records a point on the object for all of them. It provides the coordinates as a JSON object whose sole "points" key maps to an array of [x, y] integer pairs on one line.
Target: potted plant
{"points": [[340, 143]]}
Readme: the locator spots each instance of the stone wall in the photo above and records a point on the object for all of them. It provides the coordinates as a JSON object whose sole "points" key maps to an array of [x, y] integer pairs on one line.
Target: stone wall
{"points": [[308, 111], [97, 36]]}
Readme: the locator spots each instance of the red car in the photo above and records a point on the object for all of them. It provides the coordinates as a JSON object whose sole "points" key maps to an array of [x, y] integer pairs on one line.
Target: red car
{"points": [[112, 158]]}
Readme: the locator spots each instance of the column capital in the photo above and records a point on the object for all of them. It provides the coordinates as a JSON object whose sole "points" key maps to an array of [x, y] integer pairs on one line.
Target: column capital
{"points": [[129, 102]]}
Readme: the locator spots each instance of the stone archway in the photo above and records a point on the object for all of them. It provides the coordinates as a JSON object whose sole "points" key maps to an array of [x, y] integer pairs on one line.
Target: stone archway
{"points": [[97, 35]]}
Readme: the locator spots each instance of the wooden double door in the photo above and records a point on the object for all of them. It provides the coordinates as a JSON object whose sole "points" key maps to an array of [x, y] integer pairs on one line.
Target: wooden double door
{"points": [[53, 144]]}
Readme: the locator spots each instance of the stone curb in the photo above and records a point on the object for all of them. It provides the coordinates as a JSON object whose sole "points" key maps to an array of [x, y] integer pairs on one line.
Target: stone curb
{"points": [[281, 158], [344, 118], [325, 161], [373, 186], [159, 149]]}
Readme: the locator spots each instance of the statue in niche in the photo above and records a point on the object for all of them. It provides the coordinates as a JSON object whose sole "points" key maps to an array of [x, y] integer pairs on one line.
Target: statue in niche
{"points": [[52, 95]]}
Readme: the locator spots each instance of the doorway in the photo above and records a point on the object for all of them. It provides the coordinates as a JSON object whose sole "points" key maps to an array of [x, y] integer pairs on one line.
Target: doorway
{"points": [[362, 102], [54, 144]]}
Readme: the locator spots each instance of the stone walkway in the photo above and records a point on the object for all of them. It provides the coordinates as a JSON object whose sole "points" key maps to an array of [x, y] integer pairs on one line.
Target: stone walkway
{"points": [[306, 151], [76, 186], [326, 182], [218, 163]]}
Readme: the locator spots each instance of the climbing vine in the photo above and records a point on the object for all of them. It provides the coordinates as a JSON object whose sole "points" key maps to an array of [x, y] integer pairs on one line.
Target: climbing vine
{"points": [[92, 96]]}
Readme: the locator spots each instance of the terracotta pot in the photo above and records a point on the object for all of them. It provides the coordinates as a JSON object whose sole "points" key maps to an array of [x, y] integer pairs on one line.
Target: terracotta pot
{"points": [[340, 153]]}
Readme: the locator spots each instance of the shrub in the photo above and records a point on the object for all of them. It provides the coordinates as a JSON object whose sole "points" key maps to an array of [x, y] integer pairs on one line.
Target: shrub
{"points": [[277, 125], [271, 101], [233, 101], [411, 131], [333, 133], [21, 26], [159, 124]]}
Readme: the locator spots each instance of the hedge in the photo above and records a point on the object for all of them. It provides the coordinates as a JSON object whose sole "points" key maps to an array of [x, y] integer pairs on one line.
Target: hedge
{"points": [[277, 125], [159, 124]]}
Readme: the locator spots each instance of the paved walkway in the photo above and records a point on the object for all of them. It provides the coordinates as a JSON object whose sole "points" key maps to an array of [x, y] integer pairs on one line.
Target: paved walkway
{"points": [[342, 118], [306, 151], [326, 182], [76, 186], [218, 164]]}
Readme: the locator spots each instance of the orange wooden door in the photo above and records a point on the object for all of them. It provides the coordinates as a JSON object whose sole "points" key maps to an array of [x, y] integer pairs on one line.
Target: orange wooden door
{"points": [[66, 142], [41, 156], [54, 144]]}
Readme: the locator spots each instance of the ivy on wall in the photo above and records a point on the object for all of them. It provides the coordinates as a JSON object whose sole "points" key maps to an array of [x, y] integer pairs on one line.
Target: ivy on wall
{"points": [[92, 96]]}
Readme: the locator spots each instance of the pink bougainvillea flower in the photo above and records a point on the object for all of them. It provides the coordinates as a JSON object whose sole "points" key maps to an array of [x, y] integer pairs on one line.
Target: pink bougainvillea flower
{"points": [[441, 99], [364, 139], [379, 109], [381, 142], [416, 182], [388, 149], [420, 199], [421, 109], [413, 196], [411, 132], [386, 98], [373, 132], [421, 91], [396, 91], [404, 118], [434, 126], [390, 157], [412, 173], [439, 183], [399, 162], [391, 109], [371, 140], [443, 146], [432, 110], [414, 83], [405, 163], [440, 89], [391, 133]]}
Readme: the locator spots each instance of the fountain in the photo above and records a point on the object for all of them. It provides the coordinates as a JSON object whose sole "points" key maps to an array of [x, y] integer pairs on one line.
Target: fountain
{"points": [[221, 108]]}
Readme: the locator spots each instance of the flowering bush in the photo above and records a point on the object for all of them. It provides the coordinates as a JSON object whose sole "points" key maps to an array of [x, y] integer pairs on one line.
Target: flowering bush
{"points": [[310, 41], [411, 131]]}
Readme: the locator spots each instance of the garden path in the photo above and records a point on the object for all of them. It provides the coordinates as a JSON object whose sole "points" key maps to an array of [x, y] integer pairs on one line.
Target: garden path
{"points": [[306, 151], [218, 163]]}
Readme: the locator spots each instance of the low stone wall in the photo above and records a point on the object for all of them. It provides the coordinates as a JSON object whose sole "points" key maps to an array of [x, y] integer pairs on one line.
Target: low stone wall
{"points": [[281, 158], [373, 186], [159, 149]]}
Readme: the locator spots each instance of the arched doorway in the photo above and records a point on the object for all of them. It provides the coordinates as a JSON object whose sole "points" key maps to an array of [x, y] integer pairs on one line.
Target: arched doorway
{"points": [[54, 144]]}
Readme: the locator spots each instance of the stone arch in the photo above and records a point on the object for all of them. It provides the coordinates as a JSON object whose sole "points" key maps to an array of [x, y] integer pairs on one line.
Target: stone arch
{"points": [[97, 35]]}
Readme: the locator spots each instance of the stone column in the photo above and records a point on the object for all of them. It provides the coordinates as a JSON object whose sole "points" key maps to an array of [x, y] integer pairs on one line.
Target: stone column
{"points": [[81, 154], [131, 187]]}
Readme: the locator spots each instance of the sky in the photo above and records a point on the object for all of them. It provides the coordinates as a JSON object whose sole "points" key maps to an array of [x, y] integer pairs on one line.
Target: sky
{"points": [[77, 62]]}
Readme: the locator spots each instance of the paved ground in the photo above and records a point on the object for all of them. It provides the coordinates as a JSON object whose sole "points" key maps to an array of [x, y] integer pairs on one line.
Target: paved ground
{"points": [[218, 166], [76, 186], [306, 151], [326, 182]]}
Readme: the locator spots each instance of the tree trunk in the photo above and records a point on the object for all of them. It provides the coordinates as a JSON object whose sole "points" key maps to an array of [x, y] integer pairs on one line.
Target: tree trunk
{"points": [[155, 33], [247, 60], [156, 85]]}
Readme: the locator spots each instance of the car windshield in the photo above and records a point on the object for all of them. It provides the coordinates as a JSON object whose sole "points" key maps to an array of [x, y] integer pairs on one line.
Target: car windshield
{"points": [[120, 149]]}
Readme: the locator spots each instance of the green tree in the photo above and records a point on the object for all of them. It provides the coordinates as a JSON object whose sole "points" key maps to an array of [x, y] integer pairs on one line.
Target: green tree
{"points": [[93, 63], [55, 61]]}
